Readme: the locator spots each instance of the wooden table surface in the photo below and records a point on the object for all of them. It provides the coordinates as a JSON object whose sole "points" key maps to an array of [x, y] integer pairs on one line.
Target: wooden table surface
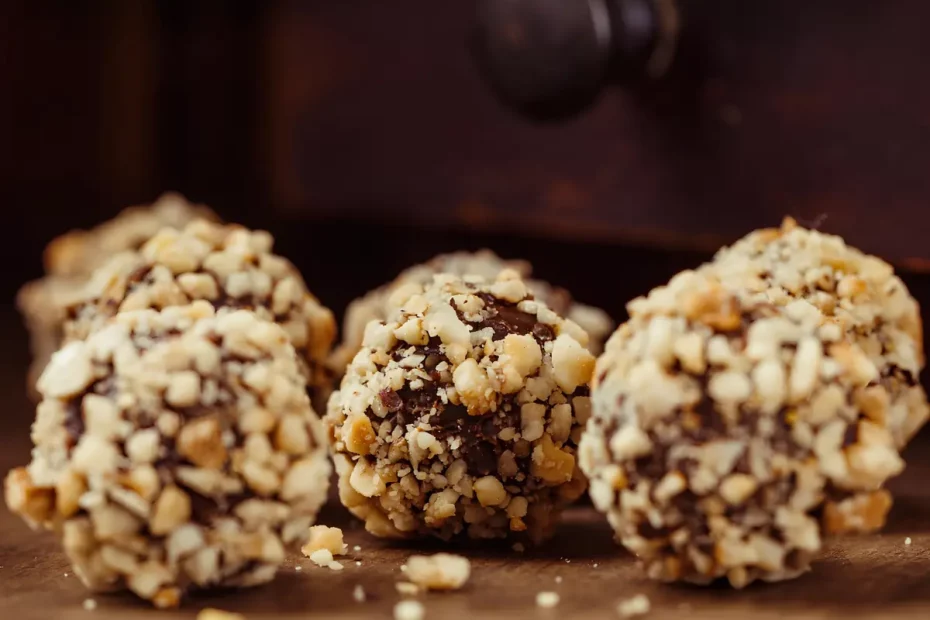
{"points": [[873, 576]]}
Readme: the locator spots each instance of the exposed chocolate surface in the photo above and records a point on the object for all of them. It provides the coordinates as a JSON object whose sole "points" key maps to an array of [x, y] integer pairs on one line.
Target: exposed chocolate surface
{"points": [[505, 318]]}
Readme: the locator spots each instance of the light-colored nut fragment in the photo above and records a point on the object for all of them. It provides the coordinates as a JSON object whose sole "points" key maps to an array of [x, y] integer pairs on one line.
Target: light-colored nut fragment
{"points": [[68, 491], [552, 464], [547, 600], [862, 513], [532, 417], [23, 497], [69, 372], [184, 389], [442, 571], [200, 441], [473, 387], [737, 488], [323, 537], [365, 479], [490, 491], [172, 509], [639, 605], [405, 588], [218, 614], [292, 436], [409, 610], [572, 364], [525, 354], [358, 434]]}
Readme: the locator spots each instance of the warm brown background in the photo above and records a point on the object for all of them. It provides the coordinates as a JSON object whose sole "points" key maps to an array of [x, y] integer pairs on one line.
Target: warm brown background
{"points": [[349, 128]]}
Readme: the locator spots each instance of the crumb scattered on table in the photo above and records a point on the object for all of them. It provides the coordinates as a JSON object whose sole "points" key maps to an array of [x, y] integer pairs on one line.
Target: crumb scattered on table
{"points": [[547, 599], [90, 604], [358, 594], [357, 548], [324, 559], [218, 614], [323, 537], [405, 588], [441, 571], [518, 547], [907, 541], [558, 579], [357, 563], [298, 567], [408, 610], [636, 606]]}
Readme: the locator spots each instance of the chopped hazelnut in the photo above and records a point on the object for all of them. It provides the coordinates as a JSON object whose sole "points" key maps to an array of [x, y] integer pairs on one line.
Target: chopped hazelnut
{"points": [[441, 571], [323, 537]]}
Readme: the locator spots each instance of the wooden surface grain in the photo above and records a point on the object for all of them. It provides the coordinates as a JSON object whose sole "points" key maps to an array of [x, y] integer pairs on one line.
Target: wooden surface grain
{"points": [[870, 576]]}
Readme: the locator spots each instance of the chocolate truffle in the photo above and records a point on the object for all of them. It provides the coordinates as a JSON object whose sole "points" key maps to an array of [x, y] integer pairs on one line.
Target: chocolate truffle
{"points": [[730, 435], [227, 265], [861, 292], [174, 450], [71, 258], [461, 413], [376, 306]]}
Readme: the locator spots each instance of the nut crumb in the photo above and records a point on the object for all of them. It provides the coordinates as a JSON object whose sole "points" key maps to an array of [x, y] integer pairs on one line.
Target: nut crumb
{"points": [[323, 537], [408, 610], [358, 594], [558, 579], [321, 557], [324, 559], [547, 599], [357, 563], [90, 604], [357, 548], [405, 588], [636, 606], [442, 571], [218, 614], [907, 541]]}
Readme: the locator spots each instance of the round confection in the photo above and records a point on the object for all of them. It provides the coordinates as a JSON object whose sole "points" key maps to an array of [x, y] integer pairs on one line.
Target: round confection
{"points": [[728, 436], [461, 414], [227, 265], [79, 252], [860, 291], [173, 451], [71, 258], [376, 306]]}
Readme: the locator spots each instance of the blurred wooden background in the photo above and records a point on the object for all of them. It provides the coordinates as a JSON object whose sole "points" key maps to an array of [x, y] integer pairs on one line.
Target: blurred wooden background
{"points": [[347, 126]]}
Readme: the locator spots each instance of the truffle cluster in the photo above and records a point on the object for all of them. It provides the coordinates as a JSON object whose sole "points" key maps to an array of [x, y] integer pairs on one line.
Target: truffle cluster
{"points": [[752, 407], [71, 259], [174, 450], [227, 265], [461, 413], [376, 306]]}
